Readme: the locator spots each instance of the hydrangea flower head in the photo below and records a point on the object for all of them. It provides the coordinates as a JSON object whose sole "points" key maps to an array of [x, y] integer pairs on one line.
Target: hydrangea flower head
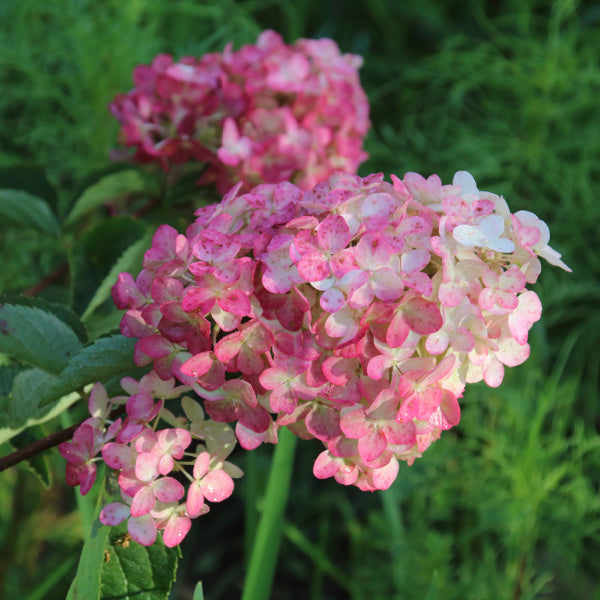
{"points": [[266, 113], [354, 313]]}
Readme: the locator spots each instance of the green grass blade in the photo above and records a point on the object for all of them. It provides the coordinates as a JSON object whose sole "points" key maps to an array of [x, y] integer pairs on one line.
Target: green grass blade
{"points": [[261, 569], [318, 557], [198, 593]]}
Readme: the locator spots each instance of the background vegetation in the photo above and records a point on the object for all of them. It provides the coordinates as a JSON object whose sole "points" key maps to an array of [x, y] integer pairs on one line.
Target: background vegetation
{"points": [[504, 506]]}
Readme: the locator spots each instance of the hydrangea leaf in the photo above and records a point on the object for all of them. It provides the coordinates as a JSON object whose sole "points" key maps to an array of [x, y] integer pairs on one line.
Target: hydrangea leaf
{"points": [[95, 254], [7, 377], [107, 188], [58, 310], [31, 333], [31, 179], [129, 261], [114, 567], [104, 359], [21, 409], [21, 208], [129, 569], [86, 585]]}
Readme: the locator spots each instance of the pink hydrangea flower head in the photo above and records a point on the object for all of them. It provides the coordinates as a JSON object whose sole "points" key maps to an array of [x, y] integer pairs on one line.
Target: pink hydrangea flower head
{"points": [[355, 313], [266, 113]]}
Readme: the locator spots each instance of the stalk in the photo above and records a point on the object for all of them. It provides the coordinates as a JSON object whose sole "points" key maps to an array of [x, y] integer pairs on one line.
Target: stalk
{"points": [[265, 550]]}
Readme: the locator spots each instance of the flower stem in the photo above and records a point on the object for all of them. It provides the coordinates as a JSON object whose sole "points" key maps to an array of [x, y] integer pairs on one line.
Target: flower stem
{"points": [[261, 568], [37, 447], [252, 487], [48, 279]]}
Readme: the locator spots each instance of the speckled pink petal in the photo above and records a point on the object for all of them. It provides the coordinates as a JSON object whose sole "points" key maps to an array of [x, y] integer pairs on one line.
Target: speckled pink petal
{"points": [[176, 530], [195, 499], [217, 486], [114, 513], [372, 445], [333, 233], [143, 502], [385, 476], [146, 466], [142, 529], [168, 489], [325, 465]]}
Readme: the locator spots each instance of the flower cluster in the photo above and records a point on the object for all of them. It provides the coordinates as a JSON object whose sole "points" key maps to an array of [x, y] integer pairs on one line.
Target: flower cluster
{"points": [[266, 113], [354, 313], [147, 458]]}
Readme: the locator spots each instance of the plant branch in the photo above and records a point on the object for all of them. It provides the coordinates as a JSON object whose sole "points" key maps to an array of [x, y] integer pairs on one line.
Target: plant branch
{"points": [[10, 460], [45, 281], [147, 208]]}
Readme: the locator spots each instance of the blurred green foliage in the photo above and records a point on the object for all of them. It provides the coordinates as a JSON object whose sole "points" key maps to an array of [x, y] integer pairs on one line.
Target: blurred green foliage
{"points": [[506, 505]]}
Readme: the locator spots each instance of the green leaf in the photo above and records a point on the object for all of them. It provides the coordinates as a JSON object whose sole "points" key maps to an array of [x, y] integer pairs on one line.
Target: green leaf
{"points": [[86, 584], [51, 581], [38, 396], [265, 550], [319, 558], [105, 358], [96, 253], [21, 409], [32, 334], [130, 570], [29, 178], [58, 310], [23, 209], [433, 587], [7, 377], [101, 324], [109, 187], [130, 261], [198, 593]]}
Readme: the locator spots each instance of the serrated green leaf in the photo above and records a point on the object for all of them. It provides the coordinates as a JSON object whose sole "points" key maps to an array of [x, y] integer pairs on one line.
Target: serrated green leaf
{"points": [[130, 261], [102, 324], [109, 187], [130, 570], [7, 376], [31, 179], [95, 254], [21, 208], [58, 310], [105, 358], [22, 409], [35, 336]]}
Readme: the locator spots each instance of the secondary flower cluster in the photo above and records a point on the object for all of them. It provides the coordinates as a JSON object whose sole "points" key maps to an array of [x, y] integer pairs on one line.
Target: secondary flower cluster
{"points": [[266, 113], [146, 458]]}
